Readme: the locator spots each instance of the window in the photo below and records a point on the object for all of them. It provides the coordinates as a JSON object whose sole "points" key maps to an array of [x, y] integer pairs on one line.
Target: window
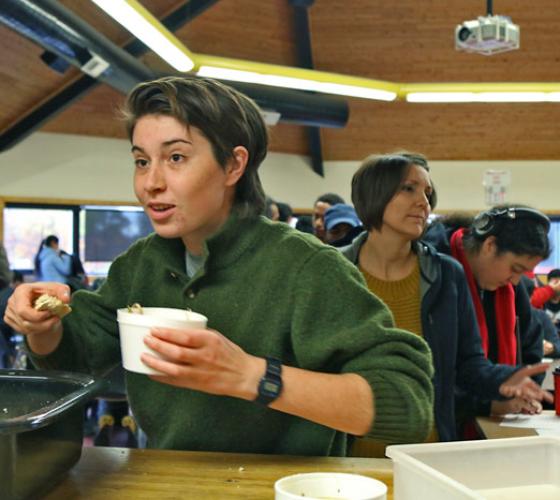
{"points": [[108, 232], [96, 233], [25, 226], [553, 262]]}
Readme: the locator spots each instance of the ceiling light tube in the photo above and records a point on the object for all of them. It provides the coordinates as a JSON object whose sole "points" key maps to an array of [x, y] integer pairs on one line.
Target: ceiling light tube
{"points": [[481, 92], [295, 78], [144, 26]]}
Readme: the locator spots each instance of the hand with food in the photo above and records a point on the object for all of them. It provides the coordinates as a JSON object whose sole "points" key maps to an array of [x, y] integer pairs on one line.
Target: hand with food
{"points": [[53, 304], [35, 310]]}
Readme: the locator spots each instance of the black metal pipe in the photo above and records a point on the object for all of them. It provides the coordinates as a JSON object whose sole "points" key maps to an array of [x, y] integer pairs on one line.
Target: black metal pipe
{"points": [[84, 84], [58, 30], [305, 60]]}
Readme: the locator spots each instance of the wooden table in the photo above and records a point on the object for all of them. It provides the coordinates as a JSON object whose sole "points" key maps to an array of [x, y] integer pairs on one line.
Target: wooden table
{"points": [[491, 428], [122, 473]]}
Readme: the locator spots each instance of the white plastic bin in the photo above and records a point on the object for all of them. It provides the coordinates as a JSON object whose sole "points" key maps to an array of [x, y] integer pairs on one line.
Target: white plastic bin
{"points": [[516, 468]]}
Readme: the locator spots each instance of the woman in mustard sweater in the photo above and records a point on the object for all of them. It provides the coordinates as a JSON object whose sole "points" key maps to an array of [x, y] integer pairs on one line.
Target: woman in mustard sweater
{"points": [[426, 291]]}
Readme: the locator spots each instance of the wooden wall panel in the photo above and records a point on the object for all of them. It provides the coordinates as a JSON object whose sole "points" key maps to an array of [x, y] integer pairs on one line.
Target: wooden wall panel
{"points": [[404, 41], [448, 131]]}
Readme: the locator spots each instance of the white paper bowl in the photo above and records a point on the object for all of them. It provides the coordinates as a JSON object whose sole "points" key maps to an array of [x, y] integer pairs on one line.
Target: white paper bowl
{"points": [[331, 485], [134, 327]]}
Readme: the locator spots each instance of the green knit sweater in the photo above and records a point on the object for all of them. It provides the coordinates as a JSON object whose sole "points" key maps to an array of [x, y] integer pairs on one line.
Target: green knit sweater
{"points": [[273, 291]]}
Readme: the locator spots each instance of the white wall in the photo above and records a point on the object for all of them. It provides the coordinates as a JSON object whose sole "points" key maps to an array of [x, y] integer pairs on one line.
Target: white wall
{"points": [[76, 167]]}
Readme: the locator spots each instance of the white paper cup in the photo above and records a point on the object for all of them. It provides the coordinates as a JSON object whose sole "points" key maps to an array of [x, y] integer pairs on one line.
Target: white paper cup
{"points": [[134, 327], [331, 485]]}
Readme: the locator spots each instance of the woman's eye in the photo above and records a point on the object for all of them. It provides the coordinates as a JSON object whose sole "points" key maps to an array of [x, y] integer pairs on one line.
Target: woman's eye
{"points": [[140, 163], [177, 157]]}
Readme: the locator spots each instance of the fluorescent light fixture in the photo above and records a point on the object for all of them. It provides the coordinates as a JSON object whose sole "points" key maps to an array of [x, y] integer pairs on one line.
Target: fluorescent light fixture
{"points": [[481, 92], [482, 97], [144, 26], [295, 78], [296, 83]]}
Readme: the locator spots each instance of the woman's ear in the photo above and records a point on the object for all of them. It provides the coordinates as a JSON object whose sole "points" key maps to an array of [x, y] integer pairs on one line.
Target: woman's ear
{"points": [[236, 165]]}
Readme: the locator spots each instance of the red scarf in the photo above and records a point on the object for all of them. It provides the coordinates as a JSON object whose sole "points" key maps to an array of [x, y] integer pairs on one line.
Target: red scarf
{"points": [[504, 307]]}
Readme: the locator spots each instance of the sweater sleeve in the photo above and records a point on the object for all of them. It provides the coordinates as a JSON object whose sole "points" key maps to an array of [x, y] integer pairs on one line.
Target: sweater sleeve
{"points": [[339, 324], [90, 342], [541, 295]]}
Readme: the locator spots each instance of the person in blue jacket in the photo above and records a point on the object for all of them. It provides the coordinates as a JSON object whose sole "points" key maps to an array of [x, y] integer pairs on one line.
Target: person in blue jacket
{"points": [[426, 290], [51, 263], [496, 248]]}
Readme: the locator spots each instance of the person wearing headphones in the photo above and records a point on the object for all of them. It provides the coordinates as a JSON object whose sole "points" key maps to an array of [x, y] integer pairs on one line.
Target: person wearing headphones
{"points": [[495, 249]]}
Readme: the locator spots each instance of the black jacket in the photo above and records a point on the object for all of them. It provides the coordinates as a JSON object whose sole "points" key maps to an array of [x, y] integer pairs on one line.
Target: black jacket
{"points": [[530, 331]]}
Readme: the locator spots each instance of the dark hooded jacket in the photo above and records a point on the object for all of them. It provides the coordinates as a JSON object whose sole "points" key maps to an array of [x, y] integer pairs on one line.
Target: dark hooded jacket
{"points": [[530, 342]]}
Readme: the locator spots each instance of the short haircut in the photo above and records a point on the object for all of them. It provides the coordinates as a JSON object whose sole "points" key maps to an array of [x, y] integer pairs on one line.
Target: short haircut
{"points": [[378, 179], [226, 117], [330, 198]]}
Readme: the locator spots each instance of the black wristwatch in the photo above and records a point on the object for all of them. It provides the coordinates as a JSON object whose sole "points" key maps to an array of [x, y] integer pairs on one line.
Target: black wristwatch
{"points": [[270, 386]]}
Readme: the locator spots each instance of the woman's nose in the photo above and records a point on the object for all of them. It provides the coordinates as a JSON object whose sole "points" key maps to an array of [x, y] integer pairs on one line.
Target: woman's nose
{"points": [[155, 180], [424, 200]]}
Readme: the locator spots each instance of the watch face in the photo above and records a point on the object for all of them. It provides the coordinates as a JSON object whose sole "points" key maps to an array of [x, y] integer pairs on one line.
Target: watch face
{"points": [[270, 387]]}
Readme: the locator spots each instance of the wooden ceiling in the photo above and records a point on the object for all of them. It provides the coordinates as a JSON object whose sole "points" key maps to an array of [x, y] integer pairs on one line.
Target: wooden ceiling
{"points": [[401, 41]]}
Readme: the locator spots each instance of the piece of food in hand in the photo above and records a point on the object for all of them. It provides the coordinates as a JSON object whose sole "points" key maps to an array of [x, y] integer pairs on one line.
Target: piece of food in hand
{"points": [[53, 304], [135, 308]]}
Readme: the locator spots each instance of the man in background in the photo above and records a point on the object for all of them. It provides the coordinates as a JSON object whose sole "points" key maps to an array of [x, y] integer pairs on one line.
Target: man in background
{"points": [[320, 206], [342, 225]]}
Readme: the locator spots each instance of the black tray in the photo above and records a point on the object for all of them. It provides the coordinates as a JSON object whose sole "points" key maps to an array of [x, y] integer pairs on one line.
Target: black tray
{"points": [[41, 428]]}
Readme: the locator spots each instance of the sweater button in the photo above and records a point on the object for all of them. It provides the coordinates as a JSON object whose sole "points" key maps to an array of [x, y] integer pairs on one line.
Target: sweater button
{"points": [[173, 275], [191, 294]]}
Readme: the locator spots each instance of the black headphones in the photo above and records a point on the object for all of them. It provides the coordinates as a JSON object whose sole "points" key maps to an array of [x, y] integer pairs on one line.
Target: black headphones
{"points": [[486, 223]]}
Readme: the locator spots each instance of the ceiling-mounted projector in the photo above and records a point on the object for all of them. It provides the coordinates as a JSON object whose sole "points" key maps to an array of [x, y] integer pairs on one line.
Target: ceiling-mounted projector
{"points": [[487, 35]]}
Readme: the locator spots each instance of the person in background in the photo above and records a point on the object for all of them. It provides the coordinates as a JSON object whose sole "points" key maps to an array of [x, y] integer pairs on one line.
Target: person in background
{"points": [[495, 249], [292, 372], [285, 212], [322, 203], [342, 225], [551, 338], [548, 296], [531, 281], [546, 299], [51, 263], [304, 224], [425, 290], [271, 209]]}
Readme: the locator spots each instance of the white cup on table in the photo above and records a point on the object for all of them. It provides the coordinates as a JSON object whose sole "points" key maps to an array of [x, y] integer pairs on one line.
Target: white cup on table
{"points": [[329, 485]]}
